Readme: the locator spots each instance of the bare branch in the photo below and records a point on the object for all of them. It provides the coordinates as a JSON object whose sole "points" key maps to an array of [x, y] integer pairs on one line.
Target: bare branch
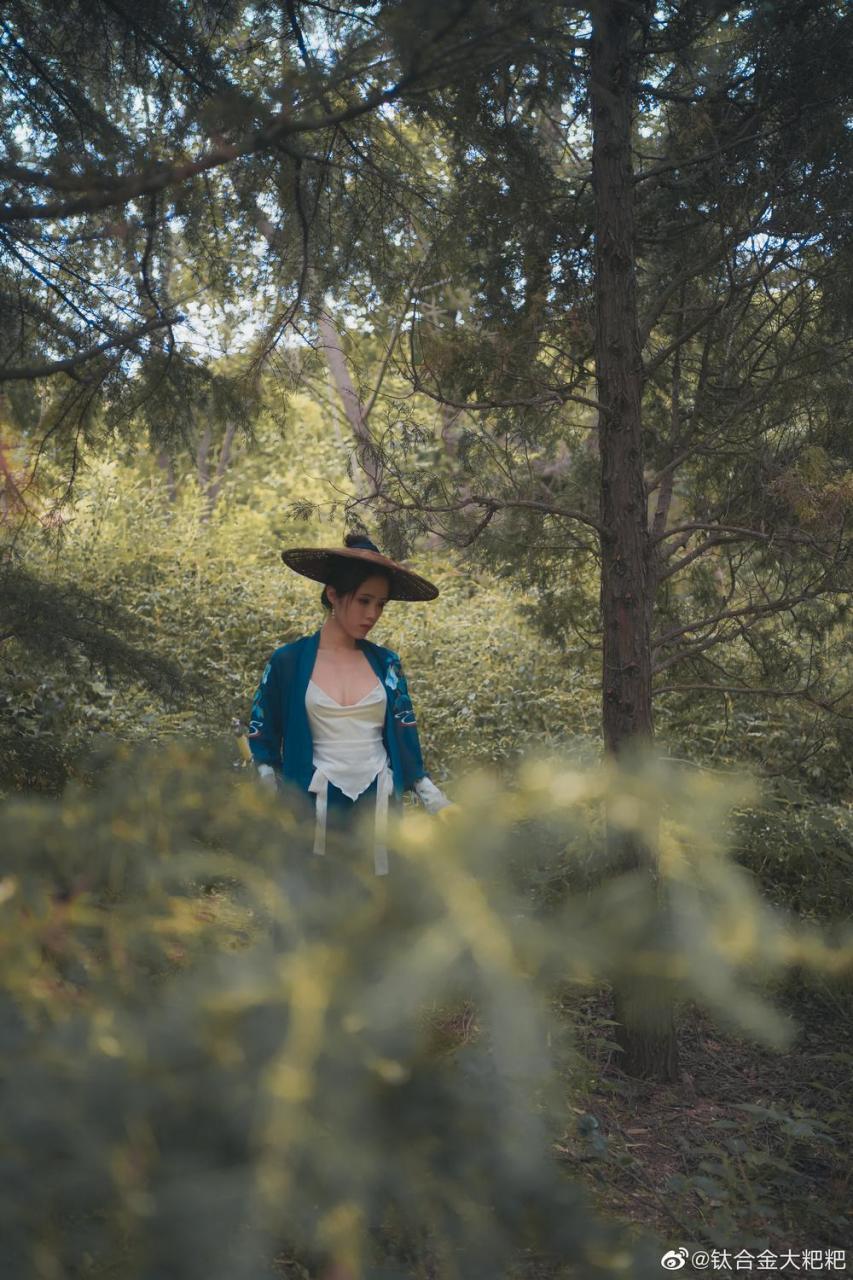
{"points": [[692, 649], [214, 484], [202, 461], [122, 188], [695, 269], [649, 366], [778, 605], [386, 359], [52, 181], [552, 395], [162, 49], [493, 503], [694, 555], [668, 166], [757, 535], [671, 466], [826, 704]]}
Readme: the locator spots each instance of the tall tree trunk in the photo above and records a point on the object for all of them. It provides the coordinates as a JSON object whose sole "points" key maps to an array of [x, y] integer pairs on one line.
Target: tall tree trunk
{"points": [[164, 462], [370, 468], [10, 494], [646, 1032], [202, 458], [223, 461]]}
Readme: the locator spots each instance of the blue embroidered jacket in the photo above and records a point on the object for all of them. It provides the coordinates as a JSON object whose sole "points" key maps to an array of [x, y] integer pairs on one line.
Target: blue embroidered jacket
{"points": [[280, 732]]}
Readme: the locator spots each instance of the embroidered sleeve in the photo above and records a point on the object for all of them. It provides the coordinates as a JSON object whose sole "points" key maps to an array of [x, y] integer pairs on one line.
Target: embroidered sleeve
{"points": [[398, 692], [265, 726], [405, 723]]}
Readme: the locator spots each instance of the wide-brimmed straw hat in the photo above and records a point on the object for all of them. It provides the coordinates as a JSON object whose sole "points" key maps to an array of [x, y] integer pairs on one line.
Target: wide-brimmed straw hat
{"points": [[319, 563]]}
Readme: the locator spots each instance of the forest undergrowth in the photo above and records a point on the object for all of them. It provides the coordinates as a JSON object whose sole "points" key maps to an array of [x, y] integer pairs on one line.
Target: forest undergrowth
{"points": [[747, 1151], [750, 1149]]}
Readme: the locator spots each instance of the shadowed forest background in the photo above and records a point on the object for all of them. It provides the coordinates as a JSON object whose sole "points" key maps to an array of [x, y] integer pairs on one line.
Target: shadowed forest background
{"points": [[555, 303]]}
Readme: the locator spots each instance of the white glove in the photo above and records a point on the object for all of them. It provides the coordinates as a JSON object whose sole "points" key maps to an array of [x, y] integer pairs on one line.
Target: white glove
{"points": [[430, 796], [266, 773]]}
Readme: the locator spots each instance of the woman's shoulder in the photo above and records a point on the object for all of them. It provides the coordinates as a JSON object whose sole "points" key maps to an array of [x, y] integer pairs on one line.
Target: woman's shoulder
{"points": [[290, 650], [381, 651]]}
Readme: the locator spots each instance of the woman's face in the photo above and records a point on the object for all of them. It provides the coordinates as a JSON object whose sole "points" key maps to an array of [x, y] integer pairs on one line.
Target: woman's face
{"points": [[358, 612]]}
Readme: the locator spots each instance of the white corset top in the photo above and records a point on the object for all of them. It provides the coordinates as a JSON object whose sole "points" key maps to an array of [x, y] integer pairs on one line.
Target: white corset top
{"points": [[349, 752], [348, 745]]}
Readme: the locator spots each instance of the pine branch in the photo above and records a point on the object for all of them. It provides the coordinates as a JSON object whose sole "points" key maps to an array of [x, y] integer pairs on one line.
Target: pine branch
{"points": [[752, 610], [756, 535], [550, 396], [489, 503], [58, 618], [112, 191], [120, 189], [687, 559], [47, 369], [825, 704]]}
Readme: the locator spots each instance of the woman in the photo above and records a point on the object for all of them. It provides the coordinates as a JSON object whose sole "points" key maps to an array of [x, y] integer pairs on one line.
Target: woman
{"points": [[332, 715]]}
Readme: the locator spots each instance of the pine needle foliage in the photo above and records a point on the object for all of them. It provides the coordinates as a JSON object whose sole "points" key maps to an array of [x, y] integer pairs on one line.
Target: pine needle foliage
{"points": [[66, 650]]}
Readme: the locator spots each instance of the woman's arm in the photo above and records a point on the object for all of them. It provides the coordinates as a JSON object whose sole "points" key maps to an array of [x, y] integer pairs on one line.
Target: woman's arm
{"points": [[432, 798], [265, 727]]}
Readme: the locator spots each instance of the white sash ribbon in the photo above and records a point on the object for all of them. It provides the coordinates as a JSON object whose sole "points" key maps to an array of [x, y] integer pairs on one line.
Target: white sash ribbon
{"points": [[319, 786]]}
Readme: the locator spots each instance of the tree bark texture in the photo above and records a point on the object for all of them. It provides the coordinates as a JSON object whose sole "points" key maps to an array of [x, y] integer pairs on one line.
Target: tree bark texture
{"points": [[646, 1031], [626, 684]]}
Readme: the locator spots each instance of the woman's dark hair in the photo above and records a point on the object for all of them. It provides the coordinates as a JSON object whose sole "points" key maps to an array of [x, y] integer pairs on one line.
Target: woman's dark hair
{"points": [[348, 575]]}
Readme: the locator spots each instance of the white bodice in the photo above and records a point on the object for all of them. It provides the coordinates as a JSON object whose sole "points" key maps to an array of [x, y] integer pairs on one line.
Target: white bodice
{"points": [[349, 752], [348, 745]]}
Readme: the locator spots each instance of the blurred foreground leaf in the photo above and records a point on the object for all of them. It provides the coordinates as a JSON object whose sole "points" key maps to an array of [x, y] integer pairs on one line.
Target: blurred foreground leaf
{"points": [[217, 1047]]}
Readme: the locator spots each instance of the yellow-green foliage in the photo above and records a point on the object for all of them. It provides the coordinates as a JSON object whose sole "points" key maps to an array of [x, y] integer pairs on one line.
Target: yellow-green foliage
{"points": [[818, 491], [214, 596], [215, 1045]]}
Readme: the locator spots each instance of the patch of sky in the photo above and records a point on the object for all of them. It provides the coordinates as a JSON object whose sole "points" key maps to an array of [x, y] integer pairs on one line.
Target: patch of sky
{"points": [[267, 203], [355, 316], [577, 132], [402, 237], [657, 75], [211, 331]]}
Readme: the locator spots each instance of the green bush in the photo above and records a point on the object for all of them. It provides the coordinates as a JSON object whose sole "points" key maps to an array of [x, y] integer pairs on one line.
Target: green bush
{"points": [[216, 1046]]}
